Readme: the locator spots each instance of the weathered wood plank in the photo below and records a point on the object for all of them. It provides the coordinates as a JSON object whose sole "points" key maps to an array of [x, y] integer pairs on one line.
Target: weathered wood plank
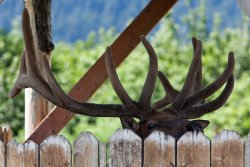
{"points": [[88, 84], [2, 154], [227, 149], [55, 151], [159, 150], [85, 151], [193, 150], [22, 155], [125, 149], [247, 151], [102, 155]]}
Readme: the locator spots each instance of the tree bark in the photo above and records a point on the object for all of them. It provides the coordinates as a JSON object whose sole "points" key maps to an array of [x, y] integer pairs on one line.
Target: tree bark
{"points": [[36, 107]]}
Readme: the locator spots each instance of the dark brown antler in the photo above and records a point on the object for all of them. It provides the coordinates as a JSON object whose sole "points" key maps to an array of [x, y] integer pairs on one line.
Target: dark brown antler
{"points": [[190, 79], [148, 88], [48, 87], [30, 76], [171, 92], [190, 101]]}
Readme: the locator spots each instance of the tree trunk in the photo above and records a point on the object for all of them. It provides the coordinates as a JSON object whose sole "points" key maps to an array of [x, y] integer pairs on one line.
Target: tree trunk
{"points": [[36, 107]]}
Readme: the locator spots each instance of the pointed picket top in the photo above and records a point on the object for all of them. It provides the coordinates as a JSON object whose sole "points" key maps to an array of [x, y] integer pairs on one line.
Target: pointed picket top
{"points": [[159, 150], [85, 150], [125, 149], [2, 154], [193, 137], [193, 149], [227, 135], [247, 151], [227, 143], [22, 155], [55, 151], [124, 134]]}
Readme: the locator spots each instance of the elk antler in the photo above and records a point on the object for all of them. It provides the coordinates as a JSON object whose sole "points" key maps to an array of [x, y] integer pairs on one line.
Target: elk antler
{"points": [[189, 103], [185, 104], [29, 76]]}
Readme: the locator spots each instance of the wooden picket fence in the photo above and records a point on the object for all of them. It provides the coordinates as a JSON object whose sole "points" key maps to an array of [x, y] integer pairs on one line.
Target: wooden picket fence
{"points": [[125, 149]]}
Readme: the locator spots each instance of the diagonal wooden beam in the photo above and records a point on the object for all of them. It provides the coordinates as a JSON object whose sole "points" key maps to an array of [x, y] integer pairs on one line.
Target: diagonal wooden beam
{"points": [[96, 75]]}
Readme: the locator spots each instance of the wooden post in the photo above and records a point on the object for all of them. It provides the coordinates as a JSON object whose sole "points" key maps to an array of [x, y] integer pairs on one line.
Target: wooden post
{"points": [[36, 107]]}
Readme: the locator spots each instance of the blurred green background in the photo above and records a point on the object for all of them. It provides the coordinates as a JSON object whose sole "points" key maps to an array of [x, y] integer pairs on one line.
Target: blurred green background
{"points": [[174, 54]]}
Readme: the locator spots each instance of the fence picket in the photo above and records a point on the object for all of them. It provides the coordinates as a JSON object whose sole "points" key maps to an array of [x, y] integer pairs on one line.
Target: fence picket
{"points": [[193, 149], [2, 154], [125, 149], [55, 151], [159, 150], [22, 155], [247, 151], [85, 151], [227, 150]]}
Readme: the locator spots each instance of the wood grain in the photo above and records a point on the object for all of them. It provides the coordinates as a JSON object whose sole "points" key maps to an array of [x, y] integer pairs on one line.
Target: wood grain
{"points": [[227, 150], [125, 149], [55, 151], [85, 151], [159, 150], [193, 150], [102, 155], [22, 155], [97, 74]]}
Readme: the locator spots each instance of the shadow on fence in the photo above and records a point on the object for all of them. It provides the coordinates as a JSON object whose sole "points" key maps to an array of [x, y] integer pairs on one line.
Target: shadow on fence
{"points": [[125, 149]]}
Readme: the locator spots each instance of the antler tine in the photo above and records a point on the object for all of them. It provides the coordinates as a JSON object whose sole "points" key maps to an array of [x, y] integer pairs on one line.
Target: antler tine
{"points": [[116, 83], [171, 92], [29, 75], [149, 85], [198, 81], [15, 90], [198, 111], [90, 109], [191, 76], [213, 87]]}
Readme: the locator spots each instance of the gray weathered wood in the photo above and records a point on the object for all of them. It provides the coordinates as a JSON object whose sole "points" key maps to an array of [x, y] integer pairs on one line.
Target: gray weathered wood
{"points": [[125, 149], [55, 151], [159, 150], [247, 151], [2, 154], [85, 151], [227, 149], [193, 150], [22, 155], [102, 155]]}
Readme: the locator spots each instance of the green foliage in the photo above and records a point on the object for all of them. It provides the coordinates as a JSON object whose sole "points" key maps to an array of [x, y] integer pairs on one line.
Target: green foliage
{"points": [[71, 61], [11, 111]]}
